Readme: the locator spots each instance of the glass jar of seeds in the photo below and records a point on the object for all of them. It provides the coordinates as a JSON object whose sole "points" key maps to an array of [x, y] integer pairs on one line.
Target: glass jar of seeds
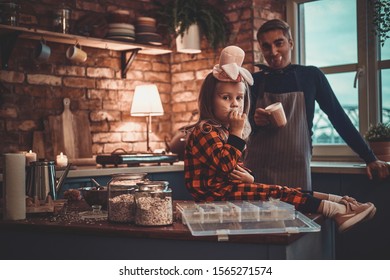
{"points": [[121, 203], [153, 201]]}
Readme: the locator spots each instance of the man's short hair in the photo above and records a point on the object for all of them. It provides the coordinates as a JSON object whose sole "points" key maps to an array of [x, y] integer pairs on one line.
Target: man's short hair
{"points": [[275, 24]]}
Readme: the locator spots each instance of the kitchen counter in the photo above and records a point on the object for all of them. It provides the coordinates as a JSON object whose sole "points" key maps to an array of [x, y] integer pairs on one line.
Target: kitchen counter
{"points": [[97, 170], [316, 167], [60, 237], [336, 167]]}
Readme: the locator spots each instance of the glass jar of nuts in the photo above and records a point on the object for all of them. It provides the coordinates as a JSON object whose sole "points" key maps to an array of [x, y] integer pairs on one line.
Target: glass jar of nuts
{"points": [[153, 201], [121, 203]]}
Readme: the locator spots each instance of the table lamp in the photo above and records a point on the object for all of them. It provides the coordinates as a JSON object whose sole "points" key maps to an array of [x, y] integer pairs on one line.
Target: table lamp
{"points": [[147, 102]]}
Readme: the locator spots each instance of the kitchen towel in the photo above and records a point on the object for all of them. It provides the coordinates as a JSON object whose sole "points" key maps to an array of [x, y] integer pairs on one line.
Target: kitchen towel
{"points": [[14, 188]]}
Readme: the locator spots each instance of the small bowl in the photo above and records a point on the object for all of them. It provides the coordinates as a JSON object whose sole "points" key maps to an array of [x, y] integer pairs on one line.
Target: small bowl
{"points": [[95, 196]]}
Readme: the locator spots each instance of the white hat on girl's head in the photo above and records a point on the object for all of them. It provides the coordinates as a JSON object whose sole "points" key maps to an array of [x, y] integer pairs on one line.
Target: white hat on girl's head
{"points": [[229, 68]]}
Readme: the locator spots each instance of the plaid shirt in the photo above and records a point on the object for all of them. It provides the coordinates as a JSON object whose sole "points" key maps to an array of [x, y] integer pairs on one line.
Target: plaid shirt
{"points": [[208, 162]]}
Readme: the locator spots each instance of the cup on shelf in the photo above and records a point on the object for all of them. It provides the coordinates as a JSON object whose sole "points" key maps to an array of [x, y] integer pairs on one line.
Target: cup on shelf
{"points": [[76, 54], [42, 51]]}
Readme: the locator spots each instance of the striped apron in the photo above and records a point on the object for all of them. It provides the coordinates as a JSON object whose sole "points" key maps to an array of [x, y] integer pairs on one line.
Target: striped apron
{"points": [[282, 155]]}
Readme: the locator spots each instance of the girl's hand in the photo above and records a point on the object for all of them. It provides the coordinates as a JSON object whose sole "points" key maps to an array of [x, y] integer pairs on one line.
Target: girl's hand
{"points": [[236, 122], [242, 175], [261, 117]]}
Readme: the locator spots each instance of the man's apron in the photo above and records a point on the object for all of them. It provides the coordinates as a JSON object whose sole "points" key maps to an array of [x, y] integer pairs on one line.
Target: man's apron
{"points": [[282, 155]]}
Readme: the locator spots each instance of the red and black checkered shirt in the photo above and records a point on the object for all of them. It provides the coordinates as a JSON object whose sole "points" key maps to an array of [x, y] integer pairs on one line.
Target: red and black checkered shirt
{"points": [[208, 161]]}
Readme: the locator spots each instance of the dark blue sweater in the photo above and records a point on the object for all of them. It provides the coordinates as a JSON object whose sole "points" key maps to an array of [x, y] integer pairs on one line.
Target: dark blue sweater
{"points": [[315, 87]]}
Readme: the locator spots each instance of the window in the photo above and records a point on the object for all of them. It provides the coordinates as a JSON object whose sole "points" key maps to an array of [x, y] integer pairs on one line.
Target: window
{"points": [[331, 34]]}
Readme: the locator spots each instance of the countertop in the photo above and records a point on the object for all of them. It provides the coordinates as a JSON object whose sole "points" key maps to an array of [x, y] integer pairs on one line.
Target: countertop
{"points": [[69, 222], [333, 167], [98, 170], [316, 167]]}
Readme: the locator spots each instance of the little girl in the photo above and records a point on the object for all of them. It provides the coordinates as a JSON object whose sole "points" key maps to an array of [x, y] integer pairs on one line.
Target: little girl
{"points": [[213, 168]]}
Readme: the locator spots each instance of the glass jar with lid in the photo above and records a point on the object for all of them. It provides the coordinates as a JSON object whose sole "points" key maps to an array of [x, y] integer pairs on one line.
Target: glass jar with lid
{"points": [[121, 203], [61, 19], [9, 12], [153, 201]]}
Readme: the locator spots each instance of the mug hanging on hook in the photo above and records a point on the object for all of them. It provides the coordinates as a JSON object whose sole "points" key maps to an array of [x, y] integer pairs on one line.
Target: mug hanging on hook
{"points": [[76, 54], [42, 51]]}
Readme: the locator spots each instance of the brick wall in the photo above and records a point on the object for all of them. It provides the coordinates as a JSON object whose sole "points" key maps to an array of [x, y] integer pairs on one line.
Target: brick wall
{"points": [[30, 92]]}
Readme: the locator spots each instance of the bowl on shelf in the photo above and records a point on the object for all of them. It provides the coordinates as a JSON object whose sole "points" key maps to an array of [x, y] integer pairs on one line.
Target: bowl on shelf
{"points": [[95, 196]]}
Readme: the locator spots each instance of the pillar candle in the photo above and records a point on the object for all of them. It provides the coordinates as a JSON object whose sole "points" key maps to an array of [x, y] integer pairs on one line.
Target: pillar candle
{"points": [[30, 157], [14, 188], [62, 160]]}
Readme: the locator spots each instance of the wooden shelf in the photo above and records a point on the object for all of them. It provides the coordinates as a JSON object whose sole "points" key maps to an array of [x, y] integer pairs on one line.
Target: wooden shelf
{"points": [[37, 34], [9, 35]]}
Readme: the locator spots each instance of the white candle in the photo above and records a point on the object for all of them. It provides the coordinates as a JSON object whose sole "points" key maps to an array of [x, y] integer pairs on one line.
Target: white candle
{"points": [[30, 157], [14, 192], [62, 160]]}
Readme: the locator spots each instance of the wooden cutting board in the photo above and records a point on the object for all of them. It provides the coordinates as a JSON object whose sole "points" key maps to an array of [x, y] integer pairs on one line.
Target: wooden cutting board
{"points": [[70, 133]]}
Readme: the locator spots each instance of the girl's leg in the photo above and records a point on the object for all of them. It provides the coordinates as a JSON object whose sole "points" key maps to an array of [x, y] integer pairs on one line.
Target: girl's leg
{"points": [[346, 214], [303, 202], [326, 196]]}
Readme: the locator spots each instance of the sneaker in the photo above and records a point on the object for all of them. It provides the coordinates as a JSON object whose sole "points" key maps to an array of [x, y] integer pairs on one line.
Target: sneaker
{"points": [[355, 214], [347, 199]]}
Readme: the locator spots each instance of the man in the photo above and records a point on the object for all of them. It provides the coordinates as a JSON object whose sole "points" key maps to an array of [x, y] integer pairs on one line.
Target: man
{"points": [[282, 155]]}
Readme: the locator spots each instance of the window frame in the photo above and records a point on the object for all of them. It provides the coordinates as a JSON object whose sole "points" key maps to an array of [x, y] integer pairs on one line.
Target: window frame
{"points": [[368, 82]]}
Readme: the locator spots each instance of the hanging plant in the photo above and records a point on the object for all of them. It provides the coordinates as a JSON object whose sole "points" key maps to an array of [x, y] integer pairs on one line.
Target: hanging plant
{"points": [[176, 16], [381, 19]]}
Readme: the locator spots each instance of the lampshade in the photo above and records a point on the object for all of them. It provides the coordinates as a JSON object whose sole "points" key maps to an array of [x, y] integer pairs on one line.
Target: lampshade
{"points": [[146, 101]]}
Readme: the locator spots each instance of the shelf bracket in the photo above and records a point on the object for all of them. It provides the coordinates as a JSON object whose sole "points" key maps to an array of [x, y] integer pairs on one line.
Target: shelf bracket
{"points": [[7, 44], [125, 64]]}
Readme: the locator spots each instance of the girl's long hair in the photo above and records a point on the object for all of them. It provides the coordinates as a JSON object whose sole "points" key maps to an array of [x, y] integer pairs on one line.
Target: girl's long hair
{"points": [[207, 118]]}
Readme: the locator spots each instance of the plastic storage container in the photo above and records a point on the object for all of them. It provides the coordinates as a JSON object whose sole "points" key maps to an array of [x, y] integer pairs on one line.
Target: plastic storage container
{"points": [[153, 204], [121, 202], [243, 217]]}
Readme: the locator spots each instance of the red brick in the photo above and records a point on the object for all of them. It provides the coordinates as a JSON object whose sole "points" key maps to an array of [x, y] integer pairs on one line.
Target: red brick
{"points": [[11, 76], [79, 82], [70, 70], [37, 79]]}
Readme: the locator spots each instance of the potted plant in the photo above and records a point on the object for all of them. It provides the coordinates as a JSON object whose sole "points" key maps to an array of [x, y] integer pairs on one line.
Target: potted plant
{"points": [[178, 17], [378, 136]]}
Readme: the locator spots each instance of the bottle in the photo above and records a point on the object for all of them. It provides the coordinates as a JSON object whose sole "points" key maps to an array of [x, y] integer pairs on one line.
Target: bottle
{"points": [[153, 201], [121, 203]]}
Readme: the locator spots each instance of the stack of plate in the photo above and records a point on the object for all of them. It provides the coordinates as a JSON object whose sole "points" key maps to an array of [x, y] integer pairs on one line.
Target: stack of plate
{"points": [[146, 31], [121, 31]]}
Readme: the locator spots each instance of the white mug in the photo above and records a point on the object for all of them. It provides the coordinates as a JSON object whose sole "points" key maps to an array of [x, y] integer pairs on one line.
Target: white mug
{"points": [[76, 54], [277, 116], [41, 52]]}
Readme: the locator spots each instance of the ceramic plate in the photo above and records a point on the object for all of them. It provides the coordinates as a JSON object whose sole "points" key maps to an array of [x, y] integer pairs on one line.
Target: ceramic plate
{"points": [[122, 38], [120, 30], [126, 34], [121, 25]]}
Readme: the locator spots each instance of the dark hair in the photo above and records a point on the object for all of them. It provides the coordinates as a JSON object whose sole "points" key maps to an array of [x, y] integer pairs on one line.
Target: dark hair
{"points": [[275, 24]]}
